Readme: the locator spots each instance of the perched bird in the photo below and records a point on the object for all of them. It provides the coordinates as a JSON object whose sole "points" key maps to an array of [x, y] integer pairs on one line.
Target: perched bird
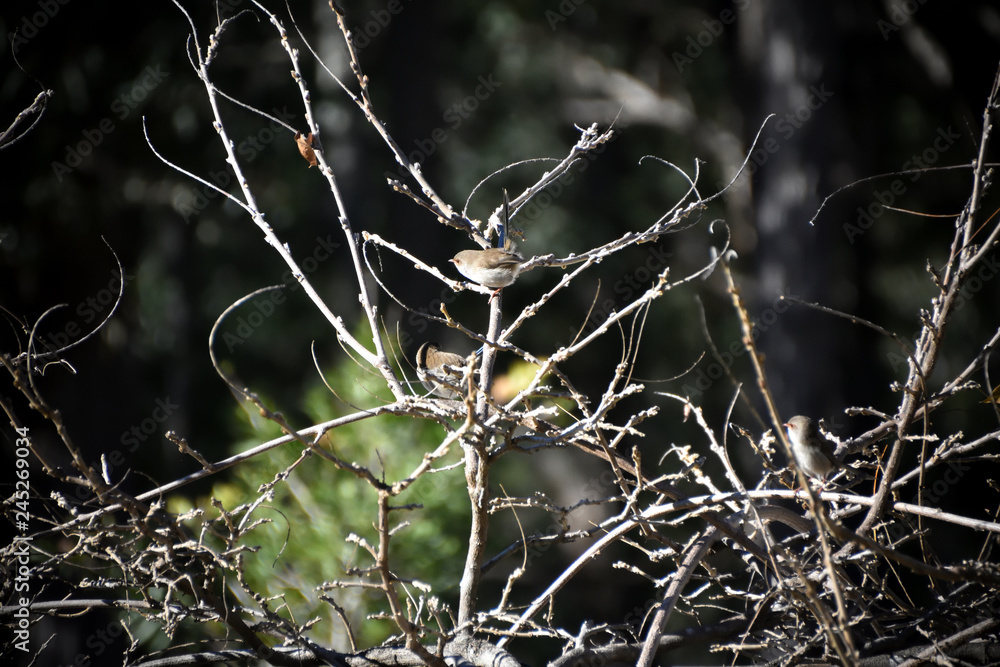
{"points": [[813, 453], [492, 267], [440, 371]]}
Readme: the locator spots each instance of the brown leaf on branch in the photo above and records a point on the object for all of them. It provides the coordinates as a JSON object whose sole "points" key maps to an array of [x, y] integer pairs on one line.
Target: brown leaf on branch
{"points": [[306, 145]]}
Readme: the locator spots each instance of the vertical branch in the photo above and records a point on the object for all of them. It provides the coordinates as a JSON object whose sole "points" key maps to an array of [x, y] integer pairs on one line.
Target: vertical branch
{"points": [[388, 583], [840, 639], [200, 64], [439, 205], [382, 363], [477, 479], [950, 284], [979, 183], [695, 555]]}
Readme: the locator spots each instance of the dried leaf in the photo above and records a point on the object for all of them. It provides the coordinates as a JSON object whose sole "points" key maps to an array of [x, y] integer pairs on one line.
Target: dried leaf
{"points": [[305, 143]]}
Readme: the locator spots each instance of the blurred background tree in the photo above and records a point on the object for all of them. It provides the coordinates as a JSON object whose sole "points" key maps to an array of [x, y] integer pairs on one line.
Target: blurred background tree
{"points": [[857, 89]]}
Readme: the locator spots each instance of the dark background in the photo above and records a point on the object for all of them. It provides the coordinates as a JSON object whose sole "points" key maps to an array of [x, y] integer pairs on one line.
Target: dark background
{"points": [[858, 90]]}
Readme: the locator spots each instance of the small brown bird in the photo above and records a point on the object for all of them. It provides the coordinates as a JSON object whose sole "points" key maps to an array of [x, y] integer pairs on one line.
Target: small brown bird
{"points": [[813, 453], [493, 267], [440, 371]]}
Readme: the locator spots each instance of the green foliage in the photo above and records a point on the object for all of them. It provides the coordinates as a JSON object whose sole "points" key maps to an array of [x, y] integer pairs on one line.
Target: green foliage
{"points": [[304, 547]]}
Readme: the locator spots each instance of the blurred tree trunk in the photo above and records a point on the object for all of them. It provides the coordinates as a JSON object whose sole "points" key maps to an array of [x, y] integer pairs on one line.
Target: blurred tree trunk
{"points": [[792, 55]]}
